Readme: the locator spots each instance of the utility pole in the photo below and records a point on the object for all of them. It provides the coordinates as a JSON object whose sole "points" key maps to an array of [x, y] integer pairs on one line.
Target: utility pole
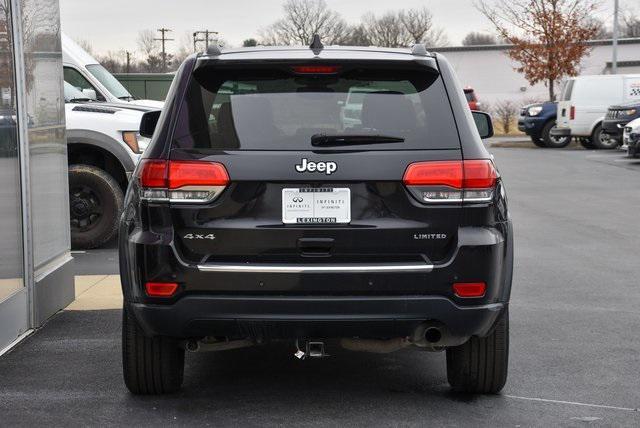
{"points": [[614, 60], [164, 39], [128, 61], [206, 33]]}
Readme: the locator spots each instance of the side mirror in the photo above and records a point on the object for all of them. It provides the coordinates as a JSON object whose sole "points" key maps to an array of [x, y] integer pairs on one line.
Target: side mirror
{"points": [[483, 123], [148, 123], [90, 93]]}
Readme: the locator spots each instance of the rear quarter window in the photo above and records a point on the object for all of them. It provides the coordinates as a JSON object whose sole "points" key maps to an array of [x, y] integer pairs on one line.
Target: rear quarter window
{"points": [[279, 110]]}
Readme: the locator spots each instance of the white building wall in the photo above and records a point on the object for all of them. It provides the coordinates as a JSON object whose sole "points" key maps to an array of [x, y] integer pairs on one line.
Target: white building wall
{"points": [[492, 74]]}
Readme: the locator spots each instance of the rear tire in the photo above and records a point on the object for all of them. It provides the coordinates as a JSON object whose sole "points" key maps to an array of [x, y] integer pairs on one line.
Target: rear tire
{"points": [[602, 141], [96, 202], [538, 141], [151, 365], [551, 141], [480, 365]]}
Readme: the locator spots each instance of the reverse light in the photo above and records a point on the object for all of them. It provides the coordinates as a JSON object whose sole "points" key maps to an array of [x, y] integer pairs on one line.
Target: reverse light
{"points": [[182, 181], [451, 181], [161, 289], [469, 289]]}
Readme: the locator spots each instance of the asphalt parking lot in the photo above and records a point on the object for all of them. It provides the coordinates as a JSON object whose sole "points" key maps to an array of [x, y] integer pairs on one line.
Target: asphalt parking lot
{"points": [[575, 347]]}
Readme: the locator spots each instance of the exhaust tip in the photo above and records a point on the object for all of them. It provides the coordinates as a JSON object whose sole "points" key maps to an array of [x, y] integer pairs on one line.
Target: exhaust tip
{"points": [[432, 335], [193, 346]]}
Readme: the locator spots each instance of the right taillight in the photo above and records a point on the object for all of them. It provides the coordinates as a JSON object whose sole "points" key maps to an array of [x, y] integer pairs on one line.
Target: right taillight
{"points": [[572, 113], [181, 181], [452, 181]]}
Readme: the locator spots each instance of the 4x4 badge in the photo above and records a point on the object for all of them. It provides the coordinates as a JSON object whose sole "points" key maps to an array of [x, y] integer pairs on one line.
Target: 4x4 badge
{"points": [[310, 166], [199, 236]]}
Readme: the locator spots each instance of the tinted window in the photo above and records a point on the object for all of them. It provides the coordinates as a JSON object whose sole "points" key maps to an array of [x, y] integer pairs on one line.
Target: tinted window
{"points": [[280, 111], [73, 77]]}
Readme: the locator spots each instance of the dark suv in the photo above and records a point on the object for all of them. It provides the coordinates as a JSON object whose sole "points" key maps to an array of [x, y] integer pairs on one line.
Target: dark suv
{"points": [[617, 117], [257, 215]]}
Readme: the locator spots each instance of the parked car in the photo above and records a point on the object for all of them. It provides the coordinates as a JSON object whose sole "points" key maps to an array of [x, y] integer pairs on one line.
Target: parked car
{"points": [[631, 138], [85, 73], [537, 120], [618, 116], [472, 99], [584, 103], [265, 218], [103, 145]]}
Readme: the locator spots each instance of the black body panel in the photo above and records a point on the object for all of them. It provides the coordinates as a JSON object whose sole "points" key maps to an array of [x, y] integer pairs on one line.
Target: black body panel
{"points": [[235, 259]]}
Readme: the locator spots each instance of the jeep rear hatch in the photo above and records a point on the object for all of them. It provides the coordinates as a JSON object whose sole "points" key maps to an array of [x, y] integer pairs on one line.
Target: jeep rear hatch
{"points": [[314, 172]]}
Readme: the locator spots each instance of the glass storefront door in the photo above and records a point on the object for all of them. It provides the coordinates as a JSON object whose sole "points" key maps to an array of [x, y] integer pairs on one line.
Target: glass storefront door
{"points": [[14, 308]]}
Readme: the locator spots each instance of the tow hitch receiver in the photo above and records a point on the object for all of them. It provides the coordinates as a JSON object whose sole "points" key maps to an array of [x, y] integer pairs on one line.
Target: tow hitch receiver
{"points": [[312, 350]]}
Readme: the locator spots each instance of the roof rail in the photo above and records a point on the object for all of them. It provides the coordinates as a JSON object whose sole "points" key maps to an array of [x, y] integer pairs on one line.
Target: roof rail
{"points": [[213, 50], [316, 44], [419, 50]]}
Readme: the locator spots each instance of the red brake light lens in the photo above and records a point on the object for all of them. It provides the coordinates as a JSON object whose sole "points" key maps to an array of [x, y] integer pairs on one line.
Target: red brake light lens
{"points": [[572, 113], [161, 289], [316, 69], [479, 174], [436, 173], [182, 181], [153, 173], [194, 173], [452, 181], [469, 289]]}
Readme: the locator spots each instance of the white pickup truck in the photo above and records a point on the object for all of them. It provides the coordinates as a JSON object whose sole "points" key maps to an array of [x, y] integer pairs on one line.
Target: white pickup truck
{"points": [[103, 146], [85, 73]]}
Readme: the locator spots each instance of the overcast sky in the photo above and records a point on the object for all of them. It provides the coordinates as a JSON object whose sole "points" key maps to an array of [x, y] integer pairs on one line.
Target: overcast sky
{"points": [[114, 24]]}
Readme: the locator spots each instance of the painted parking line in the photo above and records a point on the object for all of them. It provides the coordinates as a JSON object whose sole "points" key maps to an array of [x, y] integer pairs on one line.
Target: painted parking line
{"points": [[574, 403]]}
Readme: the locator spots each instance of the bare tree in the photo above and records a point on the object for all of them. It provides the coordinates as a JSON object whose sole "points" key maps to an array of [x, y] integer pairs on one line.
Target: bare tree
{"points": [[418, 23], [404, 28], [548, 36], [358, 36], [387, 30], [475, 38], [303, 19], [505, 112], [146, 42], [631, 25]]}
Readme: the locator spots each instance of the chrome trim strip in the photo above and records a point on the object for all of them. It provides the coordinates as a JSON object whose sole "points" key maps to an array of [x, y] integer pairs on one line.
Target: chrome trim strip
{"points": [[301, 268]]}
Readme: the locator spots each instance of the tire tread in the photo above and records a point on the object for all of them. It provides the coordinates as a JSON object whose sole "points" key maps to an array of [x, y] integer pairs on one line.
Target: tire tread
{"points": [[480, 365]]}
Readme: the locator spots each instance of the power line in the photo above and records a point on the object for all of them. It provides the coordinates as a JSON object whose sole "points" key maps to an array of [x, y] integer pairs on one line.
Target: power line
{"points": [[206, 34], [164, 39]]}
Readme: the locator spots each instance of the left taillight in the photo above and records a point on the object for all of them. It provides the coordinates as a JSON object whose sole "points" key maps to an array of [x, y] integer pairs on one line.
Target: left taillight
{"points": [[181, 181], [452, 181]]}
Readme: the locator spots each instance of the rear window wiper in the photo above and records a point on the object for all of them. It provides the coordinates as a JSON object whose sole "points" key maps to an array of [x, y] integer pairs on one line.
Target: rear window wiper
{"points": [[330, 140]]}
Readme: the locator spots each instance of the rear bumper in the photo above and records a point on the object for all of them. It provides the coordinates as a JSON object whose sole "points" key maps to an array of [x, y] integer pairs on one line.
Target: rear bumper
{"points": [[282, 317], [307, 300]]}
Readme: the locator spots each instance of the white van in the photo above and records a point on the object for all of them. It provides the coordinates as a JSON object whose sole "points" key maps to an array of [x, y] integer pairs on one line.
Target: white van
{"points": [[85, 73], [584, 102]]}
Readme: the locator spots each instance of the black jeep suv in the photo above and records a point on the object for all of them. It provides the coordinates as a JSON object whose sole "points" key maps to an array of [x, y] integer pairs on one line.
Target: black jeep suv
{"points": [[261, 212]]}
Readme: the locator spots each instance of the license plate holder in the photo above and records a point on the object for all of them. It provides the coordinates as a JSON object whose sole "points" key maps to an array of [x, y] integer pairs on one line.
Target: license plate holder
{"points": [[321, 205]]}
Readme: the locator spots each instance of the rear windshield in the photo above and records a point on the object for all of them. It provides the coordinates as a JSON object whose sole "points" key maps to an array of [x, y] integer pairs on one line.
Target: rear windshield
{"points": [[279, 110]]}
